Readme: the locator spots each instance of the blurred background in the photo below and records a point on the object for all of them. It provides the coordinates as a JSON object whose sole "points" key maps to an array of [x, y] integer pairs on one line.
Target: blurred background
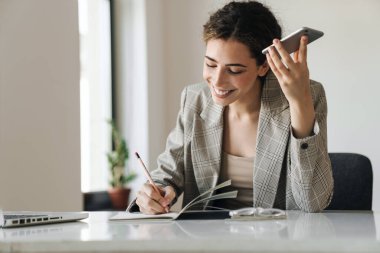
{"points": [[66, 66]]}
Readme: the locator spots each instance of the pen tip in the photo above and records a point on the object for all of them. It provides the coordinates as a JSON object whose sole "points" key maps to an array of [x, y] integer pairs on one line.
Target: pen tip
{"points": [[137, 154]]}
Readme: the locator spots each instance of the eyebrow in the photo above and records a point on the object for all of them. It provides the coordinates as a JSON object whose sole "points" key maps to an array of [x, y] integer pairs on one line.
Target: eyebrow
{"points": [[230, 64]]}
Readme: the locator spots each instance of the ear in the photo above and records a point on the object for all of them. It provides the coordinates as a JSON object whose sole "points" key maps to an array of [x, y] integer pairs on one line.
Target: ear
{"points": [[263, 69]]}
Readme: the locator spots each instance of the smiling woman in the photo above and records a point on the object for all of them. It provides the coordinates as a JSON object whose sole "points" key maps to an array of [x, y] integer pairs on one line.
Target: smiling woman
{"points": [[259, 121], [230, 75]]}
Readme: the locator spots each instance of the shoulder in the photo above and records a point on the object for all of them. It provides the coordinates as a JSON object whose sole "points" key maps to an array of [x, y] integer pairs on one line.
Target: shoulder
{"points": [[317, 90], [273, 89], [198, 91], [274, 98], [196, 96]]}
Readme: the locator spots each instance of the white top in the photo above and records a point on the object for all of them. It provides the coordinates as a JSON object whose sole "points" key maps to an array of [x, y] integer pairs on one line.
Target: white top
{"points": [[240, 171]]}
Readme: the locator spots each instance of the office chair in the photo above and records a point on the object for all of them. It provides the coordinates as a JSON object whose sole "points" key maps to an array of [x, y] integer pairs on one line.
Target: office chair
{"points": [[353, 182], [97, 201]]}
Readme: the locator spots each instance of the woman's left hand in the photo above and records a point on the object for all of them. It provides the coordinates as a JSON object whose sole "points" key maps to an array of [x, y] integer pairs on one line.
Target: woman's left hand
{"points": [[292, 74]]}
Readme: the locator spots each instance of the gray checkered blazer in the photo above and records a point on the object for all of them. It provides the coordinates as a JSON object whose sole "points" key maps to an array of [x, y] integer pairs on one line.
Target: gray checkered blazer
{"points": [[289, 173]]}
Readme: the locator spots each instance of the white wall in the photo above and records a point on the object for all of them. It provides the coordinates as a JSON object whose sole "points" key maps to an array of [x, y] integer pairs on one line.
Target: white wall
{"points": [[345, 60], [132, 73], [39, 84], [39, 105], [184, 48]]}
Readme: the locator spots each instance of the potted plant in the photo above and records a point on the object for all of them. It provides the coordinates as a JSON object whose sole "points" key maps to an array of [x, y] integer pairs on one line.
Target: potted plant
{"points": [[120, 176]]}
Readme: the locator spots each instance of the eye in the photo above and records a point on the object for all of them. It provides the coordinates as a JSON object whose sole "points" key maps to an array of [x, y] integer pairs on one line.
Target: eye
{"points": [[210, 65], [236, 72]]}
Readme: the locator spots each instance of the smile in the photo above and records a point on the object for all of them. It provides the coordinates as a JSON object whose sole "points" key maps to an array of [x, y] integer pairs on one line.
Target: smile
{"points": [[221, 93]]}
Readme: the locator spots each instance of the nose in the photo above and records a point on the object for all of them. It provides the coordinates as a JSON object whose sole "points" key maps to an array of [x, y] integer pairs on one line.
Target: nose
{"points": [[218, 78]]}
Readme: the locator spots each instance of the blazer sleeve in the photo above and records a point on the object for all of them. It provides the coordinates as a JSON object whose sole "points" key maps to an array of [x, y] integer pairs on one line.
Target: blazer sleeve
{"points": [[170, 170], [310, 167]]}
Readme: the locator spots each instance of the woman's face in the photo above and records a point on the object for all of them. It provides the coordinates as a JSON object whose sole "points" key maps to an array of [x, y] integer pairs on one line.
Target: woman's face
{"points": [[231, 72]]}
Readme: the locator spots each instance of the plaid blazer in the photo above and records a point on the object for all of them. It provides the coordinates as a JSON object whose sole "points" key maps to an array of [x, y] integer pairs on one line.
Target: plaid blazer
{"points": [[289, 173]]}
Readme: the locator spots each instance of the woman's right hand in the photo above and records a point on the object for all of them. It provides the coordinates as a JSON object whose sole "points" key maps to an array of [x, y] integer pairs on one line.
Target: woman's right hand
{"points": [[150, 202]]}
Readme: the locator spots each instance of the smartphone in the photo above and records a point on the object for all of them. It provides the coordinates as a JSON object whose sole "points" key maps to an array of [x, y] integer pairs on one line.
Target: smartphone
{"points": [[292, 42]]}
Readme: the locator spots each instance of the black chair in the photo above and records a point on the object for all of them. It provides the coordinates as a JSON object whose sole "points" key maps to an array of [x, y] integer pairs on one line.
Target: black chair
{"points": [[353, 182], [97, 201]]}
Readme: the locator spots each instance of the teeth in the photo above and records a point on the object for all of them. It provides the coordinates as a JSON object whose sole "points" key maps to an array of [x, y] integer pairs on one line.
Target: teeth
{"points": [[221, 92]]}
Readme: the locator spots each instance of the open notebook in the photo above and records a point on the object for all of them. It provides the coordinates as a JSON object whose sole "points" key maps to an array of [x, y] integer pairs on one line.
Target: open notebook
{"points": [[174, 215]]}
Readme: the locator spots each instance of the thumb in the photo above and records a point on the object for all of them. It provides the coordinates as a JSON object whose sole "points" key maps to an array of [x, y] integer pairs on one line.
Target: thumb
{"points": [[169, 195]]}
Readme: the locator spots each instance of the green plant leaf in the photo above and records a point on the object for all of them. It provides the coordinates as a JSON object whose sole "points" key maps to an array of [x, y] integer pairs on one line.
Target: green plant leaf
{"points": [[130, 177], [117, 158]]}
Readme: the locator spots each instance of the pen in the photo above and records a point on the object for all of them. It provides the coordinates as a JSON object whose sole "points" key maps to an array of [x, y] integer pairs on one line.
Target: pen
{"points": [[146, 172]]}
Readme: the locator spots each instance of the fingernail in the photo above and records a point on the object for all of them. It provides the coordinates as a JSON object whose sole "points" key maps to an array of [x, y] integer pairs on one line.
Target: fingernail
{"points": [[275, 41]]}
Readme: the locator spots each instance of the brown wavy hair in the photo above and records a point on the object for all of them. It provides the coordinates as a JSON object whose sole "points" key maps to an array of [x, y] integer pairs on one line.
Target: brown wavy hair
{"points": [[250, 23]]}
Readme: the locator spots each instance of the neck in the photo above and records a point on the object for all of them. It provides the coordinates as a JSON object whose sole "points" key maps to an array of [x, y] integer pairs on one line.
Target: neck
{"points": [[249, 105]]}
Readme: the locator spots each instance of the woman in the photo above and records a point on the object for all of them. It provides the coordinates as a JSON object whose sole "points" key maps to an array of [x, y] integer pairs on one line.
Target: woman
{"points": [[259, 121]]}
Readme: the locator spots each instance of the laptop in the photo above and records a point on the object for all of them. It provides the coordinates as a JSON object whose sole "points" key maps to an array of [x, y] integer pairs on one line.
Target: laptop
{"points": [[63, 231], [28, 218]]}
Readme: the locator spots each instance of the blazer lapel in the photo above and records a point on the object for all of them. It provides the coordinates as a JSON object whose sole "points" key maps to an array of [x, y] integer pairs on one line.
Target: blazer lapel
{"points": [[273, 134], [207, 145]]}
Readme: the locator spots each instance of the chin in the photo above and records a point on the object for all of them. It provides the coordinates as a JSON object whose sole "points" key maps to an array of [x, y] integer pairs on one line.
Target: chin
{"points": [[222, 102]]}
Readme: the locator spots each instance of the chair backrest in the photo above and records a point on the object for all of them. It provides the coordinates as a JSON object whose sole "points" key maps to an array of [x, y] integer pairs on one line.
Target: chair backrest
{"points": [[97, 201], [353, 182]]}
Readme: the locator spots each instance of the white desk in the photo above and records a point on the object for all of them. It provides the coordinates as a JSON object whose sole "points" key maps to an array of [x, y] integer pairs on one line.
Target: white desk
{"points": [[301, 232]]}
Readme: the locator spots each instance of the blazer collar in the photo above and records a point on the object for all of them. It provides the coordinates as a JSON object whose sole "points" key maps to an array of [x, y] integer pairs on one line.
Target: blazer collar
{"points": [[271, 145], [274, 123], [273, 99], [207, 143], [212, 113]]}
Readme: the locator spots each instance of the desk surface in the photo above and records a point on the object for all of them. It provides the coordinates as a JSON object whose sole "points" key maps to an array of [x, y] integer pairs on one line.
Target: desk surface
{"points": [[300, 232]]}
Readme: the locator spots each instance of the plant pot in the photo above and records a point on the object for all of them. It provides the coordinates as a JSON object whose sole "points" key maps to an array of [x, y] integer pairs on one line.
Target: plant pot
{"points": [[119, 197]]}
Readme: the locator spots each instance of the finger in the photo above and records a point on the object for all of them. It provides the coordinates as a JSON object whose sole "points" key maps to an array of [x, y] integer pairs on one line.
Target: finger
{"points": [[139, 203], [151, 192], [148, 204], [281, 68], [140, 200], [273, 67], [303, 49], [296, 53], [146, 211], [283, 53], [169, 195]]}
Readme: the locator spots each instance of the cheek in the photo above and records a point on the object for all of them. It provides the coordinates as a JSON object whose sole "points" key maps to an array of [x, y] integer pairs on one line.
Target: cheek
{"points": [[206, 74], [244, 81]]}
